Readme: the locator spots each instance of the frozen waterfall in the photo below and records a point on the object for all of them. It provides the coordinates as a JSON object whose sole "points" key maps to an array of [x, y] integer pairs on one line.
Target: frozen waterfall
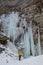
{"points": [[32, 40], [26, 45], [10, 28], [9, 24]]}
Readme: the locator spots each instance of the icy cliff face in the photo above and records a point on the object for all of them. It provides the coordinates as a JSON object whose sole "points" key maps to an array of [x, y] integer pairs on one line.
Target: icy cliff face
{"points": [[19, 32], [17, 35]]}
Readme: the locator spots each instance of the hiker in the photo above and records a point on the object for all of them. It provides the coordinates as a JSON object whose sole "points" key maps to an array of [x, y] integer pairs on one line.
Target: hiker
{"points": [[19, 54]]}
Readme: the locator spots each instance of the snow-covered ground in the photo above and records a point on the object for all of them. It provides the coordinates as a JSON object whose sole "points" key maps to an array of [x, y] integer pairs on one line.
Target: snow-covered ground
{"points": [[7, 57], [9, 54]]}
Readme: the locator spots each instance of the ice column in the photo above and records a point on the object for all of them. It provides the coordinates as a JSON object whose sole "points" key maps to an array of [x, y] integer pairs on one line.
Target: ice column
{"points": [[13, 19], [26, 45], [39, 46], [32, 40]]}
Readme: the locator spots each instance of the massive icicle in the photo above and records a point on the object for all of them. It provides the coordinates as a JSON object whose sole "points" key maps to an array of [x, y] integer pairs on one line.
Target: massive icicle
{"points": [[31, 39], [26, 45], [13, 19], [39, 46]]}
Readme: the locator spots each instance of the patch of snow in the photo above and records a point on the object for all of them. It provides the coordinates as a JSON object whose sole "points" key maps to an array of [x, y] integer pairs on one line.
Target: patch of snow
{"points": [[8, 60]]}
